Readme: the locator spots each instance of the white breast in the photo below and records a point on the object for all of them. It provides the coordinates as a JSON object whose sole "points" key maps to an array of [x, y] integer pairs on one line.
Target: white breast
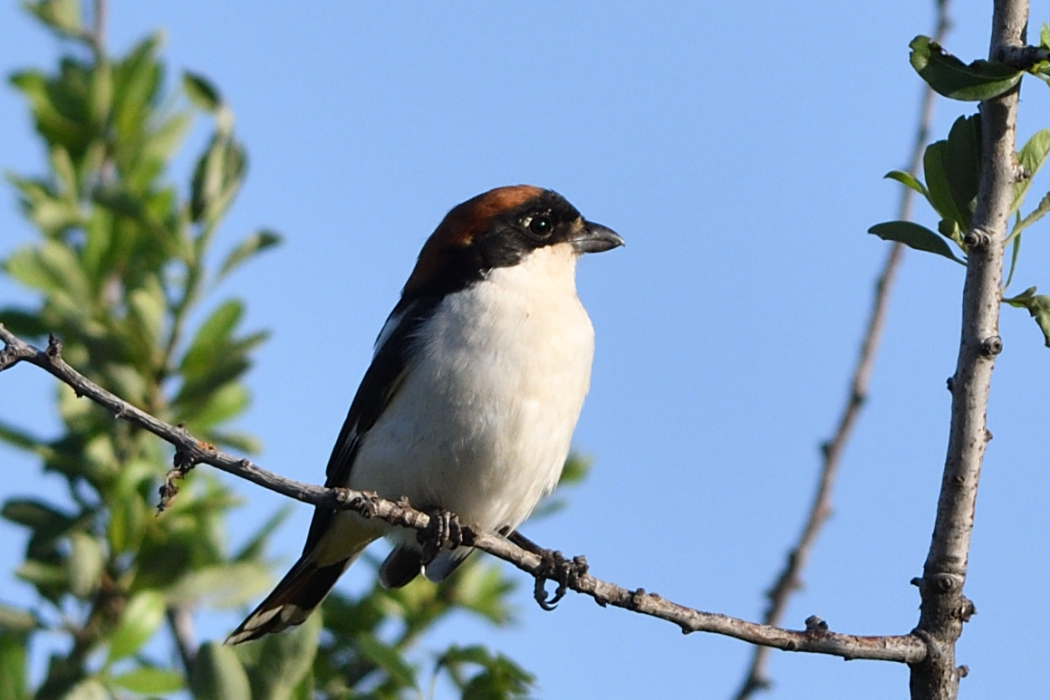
{"points": [[481, 425]]}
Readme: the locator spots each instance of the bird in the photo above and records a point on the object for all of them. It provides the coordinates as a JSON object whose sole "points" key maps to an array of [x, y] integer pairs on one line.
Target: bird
{"points": [[475, 387]]}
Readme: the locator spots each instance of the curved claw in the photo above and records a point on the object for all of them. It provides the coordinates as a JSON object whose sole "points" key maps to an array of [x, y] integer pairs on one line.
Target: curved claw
{"points": [[444, 529], [555, 567]]}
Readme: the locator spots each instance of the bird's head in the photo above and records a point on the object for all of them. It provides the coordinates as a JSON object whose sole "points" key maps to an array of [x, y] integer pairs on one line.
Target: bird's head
{"points": [[501, 228]]}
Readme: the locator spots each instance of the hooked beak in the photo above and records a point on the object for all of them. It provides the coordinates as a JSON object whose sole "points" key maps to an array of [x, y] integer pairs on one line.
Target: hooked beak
{"points": [[595, 238]]}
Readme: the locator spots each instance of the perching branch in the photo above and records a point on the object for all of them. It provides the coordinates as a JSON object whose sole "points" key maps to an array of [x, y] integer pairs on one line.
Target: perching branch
{"points": [[944, 607], [189, 451], [789, 579]]}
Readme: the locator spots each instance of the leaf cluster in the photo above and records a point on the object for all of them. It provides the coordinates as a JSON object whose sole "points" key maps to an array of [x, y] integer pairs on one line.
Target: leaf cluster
{"points": [[952, 167]]}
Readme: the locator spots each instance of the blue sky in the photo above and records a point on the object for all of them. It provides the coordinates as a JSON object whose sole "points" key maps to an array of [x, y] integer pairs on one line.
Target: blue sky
{"points": [[739, 149]]}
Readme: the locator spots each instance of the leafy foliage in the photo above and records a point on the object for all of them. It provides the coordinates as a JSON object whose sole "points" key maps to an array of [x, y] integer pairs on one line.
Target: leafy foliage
{"points": [[1038, 306], [122, 263], [980, 80], [952, 168]]}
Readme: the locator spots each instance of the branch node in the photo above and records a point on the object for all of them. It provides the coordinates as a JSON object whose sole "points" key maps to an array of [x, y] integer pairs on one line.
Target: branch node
{"points": [[963, 671], [858, 398], [951, 383], [991, 346], [54, 346], [9, 356], [917, 582], [816, 626], [365, 504], [933, 648], [944, 583], [977, 238], [966, 610]]}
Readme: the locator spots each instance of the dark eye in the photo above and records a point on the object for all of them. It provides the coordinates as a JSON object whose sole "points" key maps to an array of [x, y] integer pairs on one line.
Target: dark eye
{"points": [[540, 225]]}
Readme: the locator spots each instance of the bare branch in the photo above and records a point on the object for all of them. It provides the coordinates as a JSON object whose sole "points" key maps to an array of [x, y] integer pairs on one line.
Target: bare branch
{"points": [[180, 620], [944, 607], [789, 579], [815, 639]]}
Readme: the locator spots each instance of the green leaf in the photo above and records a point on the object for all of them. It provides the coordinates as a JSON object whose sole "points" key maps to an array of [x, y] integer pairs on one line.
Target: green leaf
{"points": [[13, 667], [52, 268], [63, 16], [150, 681], [283, 660], [136, 81], [1035, 215], [201, 91], [22, 439], [914, 236], [947, 75], [40, 574], [1038, 306], [88, 689], [218, 673], [944, 188], [16, 620], [908, 180], [216, 179], [576, 469], [248, 248], [1015, 252], [482, 589], [951, 231], [1031, 159], [387, 658], [27, 324], [100, 95], [214, 332], [499, 677], [129, 518], [226, 402], [167, 136], [36, 515], [221, 585], [142, 617], [147, 309], [65, 172], [963, 165], [56, 126], [84, 565]]}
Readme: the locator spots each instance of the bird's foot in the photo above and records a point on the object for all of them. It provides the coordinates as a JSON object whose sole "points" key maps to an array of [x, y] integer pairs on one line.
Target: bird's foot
{"points": [[444, 529], [555, 567]]}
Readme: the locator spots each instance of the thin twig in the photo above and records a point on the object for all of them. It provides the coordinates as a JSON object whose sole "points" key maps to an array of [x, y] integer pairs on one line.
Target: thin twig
{"points": [[180, 620], [815, 639], [944, 607], [789, 579], [95, 36]]}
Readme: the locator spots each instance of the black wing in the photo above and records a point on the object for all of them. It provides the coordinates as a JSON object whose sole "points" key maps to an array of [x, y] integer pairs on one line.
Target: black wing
{"points": [[380, 383]]}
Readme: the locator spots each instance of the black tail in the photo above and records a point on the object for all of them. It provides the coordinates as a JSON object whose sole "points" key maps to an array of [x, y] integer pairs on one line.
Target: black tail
{"points": [[291, 602]]}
